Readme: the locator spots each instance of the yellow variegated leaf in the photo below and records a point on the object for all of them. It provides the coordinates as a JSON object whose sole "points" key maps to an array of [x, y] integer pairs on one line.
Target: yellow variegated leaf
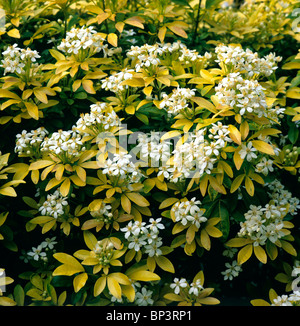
{"points": [[260, 254], [14, 33], [79, 281], [173, 297], [114, 287], [144, 276], [138, 199], [126, 204], [205, 240], [40, 164], [99, 285], [88, 86], [162, 33], [165, 264], [263, 147], [249, 186], [135, 21], [259, 302], [8, 191], [234, 134], [244, 254], [65, 187], [238, 242], [286, 246], [168, 202], [112, 39], [32, 109], [90, 240]]}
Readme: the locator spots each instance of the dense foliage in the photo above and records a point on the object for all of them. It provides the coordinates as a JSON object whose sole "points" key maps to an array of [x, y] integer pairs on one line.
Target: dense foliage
{"points": [[149, 152]]}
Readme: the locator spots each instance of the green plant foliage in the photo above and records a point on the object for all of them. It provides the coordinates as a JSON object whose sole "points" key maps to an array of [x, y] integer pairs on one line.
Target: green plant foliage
{"points": [[145, 145]]}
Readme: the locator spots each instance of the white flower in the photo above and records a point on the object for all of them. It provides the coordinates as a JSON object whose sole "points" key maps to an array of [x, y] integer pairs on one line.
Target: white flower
{"points": [[264, 166], [177, 100], [178, 284], [155, 226], [245, 96], [49, 243], [189, 211], [64, 144], [37, 253], [232, 270], [143, 298], [28, 143], [246, 61], [84, 38], [152, 248], [15, 59], [247, 151], [195, 288], [128, 230], [54, 205], [136, 242]]}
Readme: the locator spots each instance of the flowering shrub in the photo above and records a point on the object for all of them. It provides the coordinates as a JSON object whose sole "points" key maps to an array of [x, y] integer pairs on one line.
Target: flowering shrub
{"points": [[149, 153]]}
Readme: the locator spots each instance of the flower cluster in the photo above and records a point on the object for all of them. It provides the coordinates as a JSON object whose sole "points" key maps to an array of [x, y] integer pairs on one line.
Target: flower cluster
{"points": [[113, 82], [66, 145], [54, 205], [245, 96], [188, 211], [28, 143], [292, 299], [182, 285], [152, 55], [84, 38], [121, 167], [101, 118], [247, 62], [264, 223], [16, 59], [177, 101], [281, 196], [39, 253], [150, 147], [139, 235], [199, 153], [232, 270], [103, 213]]}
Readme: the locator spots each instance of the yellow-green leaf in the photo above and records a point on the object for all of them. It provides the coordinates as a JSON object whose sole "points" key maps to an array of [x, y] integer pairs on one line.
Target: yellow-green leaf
{"points": [[114, 287], [244, 254], [99, 285], [165, 264], [79, 281], [263, 147], [168, 202], [237, 242], [234, 134], [14, 33], [8, 191], [88, 86], [259, 302], [112, 39], [249, 186], [40, 164], [126, 204], [138, 199], [90, 240], [65, 187], [260, 254], [144, 276]]}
